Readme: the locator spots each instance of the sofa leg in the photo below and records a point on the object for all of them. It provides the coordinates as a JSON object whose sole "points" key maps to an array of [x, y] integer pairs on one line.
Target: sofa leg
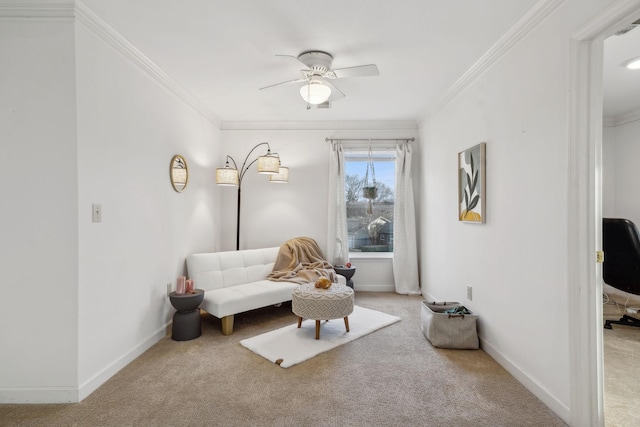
{"points": [[227, 325]]}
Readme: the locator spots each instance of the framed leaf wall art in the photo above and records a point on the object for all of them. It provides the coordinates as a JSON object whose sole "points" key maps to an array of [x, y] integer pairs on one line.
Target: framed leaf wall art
{"points": [[471, 184]]}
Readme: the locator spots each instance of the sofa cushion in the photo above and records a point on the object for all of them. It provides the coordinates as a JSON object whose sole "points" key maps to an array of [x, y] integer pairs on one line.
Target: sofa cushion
{"points": [[218, 270], [249, 296]]}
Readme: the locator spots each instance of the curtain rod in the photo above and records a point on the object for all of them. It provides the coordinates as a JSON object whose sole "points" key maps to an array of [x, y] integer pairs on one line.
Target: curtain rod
{"points": [[369, 139]]}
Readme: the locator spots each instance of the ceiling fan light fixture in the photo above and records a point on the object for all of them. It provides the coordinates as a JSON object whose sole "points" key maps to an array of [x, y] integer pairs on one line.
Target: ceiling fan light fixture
{"points": [[315, 92], [634, 64]]}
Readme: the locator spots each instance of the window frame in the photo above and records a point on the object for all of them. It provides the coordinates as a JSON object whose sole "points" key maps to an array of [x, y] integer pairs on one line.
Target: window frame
{"points": [[380, 153]]}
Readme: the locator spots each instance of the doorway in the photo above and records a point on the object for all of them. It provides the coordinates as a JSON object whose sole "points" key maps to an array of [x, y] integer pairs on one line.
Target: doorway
{"points": [[585, 200], [621, 112]]}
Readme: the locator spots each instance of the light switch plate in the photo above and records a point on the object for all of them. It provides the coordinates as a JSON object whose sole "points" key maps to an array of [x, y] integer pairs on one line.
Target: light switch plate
{"points": [[96, 209]]}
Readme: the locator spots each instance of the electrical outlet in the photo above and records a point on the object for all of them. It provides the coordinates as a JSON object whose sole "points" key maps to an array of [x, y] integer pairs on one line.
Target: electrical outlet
{"points": [[169, 290], [469, 292]]}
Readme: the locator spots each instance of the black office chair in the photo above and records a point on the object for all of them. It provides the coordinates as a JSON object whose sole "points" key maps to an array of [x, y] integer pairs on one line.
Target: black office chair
{"points": [[621, 269]]}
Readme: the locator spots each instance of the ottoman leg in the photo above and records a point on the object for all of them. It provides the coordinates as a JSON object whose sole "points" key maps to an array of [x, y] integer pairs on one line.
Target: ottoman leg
{"points": [[346, 322], [299, 322], [317, 329]]}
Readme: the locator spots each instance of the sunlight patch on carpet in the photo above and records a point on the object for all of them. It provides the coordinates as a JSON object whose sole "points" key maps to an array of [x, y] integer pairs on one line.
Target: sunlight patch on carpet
{"points": [[292, 345]]}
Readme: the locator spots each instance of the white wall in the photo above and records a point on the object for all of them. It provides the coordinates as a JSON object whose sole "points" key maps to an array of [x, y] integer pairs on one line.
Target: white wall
{"points": [[82, 124], [274, 213], [517, 261], [129, 127], [622, 142], [608, 172], [39, 262]]}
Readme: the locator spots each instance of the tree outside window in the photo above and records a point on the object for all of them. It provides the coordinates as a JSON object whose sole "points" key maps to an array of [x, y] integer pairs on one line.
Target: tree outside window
{"points": [[370, 222]]}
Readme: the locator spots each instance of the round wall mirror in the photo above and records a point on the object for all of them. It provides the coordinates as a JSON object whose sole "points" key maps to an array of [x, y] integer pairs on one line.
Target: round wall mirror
{"points": [[179, 173]]}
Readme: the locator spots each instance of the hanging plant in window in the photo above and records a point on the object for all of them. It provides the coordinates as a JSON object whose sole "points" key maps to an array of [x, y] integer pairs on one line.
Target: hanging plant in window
{"points": [[370, 190]]}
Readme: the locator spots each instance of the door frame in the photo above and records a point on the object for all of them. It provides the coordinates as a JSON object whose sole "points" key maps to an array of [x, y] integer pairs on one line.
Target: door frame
{"points": [[585, 211]]}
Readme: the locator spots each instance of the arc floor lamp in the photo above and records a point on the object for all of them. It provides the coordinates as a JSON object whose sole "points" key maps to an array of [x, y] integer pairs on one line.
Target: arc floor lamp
{"points": [[268, 163]]}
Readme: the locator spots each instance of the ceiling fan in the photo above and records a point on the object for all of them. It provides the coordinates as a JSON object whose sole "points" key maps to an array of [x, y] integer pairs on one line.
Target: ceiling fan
{"points": [[318, 88]]}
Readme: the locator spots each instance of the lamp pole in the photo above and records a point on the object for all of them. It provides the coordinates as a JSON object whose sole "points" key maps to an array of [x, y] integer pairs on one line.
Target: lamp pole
{"points": [[241, 172]]}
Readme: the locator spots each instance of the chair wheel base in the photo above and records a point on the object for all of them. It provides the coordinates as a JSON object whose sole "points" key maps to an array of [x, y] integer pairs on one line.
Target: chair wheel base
{"points": [[624, 320]]}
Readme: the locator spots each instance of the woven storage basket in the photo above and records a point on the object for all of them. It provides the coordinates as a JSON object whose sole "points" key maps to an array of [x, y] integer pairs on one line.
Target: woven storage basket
{"points": [[446, 330]]}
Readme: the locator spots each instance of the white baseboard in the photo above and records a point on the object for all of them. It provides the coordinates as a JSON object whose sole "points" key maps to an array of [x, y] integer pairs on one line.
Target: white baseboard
{"points": [[374, 288], [41, 395], [92, 385], [428, 296], [38, 395], [559, 408]]}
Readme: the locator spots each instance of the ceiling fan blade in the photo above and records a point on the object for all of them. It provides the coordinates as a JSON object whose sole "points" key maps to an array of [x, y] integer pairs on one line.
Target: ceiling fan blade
{"points": [[295, 58], [284, 83], [335, 92], [357, 71]]}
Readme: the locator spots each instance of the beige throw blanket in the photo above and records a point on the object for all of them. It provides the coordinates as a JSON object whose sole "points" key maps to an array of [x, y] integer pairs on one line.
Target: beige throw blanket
{"points": [[300, 260]]}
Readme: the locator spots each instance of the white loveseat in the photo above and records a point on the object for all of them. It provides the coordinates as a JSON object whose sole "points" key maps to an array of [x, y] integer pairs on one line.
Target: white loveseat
{"points": [[235, 282]]}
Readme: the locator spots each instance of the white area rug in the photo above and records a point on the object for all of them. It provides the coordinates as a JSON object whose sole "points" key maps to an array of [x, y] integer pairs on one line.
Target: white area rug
{"points": [[294, 345]]}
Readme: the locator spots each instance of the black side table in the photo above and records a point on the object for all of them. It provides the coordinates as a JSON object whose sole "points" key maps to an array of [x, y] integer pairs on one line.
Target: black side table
{"points": [[347, 272], [186, 321]]}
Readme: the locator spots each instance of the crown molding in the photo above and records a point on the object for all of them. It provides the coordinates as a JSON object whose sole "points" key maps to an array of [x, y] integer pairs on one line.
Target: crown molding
{"points": [[85, 16], [321, 125], [624, 119], [37, 9], [608, 122], [600, 25], [536, 14], [90, 20]]}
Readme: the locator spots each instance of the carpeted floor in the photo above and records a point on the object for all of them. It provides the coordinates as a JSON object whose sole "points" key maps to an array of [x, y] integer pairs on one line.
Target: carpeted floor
{"points": [[621, 370], [391, 377]]}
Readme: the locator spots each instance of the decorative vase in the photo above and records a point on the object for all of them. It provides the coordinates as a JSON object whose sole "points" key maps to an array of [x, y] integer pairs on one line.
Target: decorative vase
{"points": [[181, 285]]}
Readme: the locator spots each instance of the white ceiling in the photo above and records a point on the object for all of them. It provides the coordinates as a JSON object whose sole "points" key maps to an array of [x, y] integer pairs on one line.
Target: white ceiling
{"points": [[222, 52]]}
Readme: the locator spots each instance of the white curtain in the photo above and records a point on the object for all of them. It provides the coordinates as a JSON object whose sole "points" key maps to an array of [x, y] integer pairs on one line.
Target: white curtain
{"points": [[405, 251], [337, 241]]}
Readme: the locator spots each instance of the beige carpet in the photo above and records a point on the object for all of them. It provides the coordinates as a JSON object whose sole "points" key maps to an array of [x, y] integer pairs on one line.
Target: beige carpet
{"points": [[391, 377], [621, 370]]}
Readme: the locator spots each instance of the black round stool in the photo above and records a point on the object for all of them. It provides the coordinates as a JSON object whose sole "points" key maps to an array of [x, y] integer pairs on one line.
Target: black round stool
{"points": [[186, 320]]}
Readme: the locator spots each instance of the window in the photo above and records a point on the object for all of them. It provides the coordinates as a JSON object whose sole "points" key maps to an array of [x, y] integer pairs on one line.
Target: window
{"points": [[370, 212]]}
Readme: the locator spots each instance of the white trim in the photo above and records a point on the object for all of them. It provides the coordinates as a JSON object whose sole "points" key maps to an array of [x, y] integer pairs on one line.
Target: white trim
{"points": [[84, 15], [609, 122], [584, 207], [362, 125], [519, 30], [624, 119], [614, 18], [584, 374], [370, 255], [87, 17], [38, 395], [374, 288], [100, 378], [534, 387], [30, 10], [42, 395]]}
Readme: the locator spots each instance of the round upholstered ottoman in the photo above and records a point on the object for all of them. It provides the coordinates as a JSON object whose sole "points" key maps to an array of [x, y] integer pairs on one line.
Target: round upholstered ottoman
{"points": [[309, 302]]}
